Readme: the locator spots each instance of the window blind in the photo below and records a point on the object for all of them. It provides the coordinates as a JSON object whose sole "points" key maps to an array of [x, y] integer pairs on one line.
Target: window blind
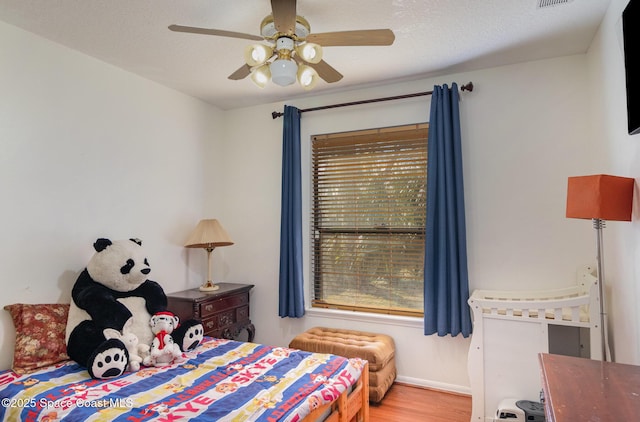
{"points": [[368, 219]]}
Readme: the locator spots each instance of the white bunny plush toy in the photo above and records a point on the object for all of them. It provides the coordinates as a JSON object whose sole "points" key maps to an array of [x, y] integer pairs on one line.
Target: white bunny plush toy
{"points": [[130, 341]]}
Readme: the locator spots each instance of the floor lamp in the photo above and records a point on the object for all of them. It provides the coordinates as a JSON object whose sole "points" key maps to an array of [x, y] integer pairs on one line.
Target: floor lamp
{"points": [[208, 235], [600, 197]]}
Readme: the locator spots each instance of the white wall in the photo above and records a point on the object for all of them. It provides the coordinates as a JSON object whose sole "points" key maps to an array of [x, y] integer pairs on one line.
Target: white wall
{"points": [[525, 128], [86, 151], [621, 156]]}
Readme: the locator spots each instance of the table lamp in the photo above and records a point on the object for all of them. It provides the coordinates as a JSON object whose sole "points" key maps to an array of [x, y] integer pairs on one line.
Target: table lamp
{"points": [[208, 234], [600, 197]]}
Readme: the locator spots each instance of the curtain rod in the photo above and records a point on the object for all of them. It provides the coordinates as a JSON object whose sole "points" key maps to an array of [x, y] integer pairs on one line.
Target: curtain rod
{"points": [[466, 87]]}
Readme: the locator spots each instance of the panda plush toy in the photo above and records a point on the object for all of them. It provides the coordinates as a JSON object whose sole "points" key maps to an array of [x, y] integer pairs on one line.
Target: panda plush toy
{"points": [[113, 290]]}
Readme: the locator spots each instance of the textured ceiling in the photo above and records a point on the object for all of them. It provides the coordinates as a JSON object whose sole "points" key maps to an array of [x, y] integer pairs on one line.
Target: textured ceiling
{"points": [[433, 37]]}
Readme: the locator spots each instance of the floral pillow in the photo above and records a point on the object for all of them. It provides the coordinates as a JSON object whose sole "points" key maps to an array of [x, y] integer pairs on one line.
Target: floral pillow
{"points": [[40, 335]]}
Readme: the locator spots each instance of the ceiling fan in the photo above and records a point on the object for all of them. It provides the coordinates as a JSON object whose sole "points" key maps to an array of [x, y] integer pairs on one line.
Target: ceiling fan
{"points": [[291, 51]]}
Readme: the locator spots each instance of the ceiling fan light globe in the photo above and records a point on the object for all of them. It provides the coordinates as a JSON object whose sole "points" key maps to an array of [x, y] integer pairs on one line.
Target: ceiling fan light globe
{"points": [[283, 72], [261, 75], [307, 77], [257, 54], [310, 52]]}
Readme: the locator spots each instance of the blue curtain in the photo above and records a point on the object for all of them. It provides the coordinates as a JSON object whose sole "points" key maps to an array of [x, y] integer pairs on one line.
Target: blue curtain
{"points": [[291, 302], [446, 280]]}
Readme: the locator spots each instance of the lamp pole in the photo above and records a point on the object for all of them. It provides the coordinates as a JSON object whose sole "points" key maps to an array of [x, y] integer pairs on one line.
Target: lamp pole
{"points": [[599, 224], [209, 286]]}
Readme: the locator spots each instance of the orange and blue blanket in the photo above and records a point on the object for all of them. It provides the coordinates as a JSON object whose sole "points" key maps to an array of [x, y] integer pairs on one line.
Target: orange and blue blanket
{"points": [[222, 380]]}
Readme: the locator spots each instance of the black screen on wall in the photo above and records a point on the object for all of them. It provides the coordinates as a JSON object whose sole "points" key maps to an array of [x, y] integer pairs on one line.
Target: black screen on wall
{"points": [[631, 36]]}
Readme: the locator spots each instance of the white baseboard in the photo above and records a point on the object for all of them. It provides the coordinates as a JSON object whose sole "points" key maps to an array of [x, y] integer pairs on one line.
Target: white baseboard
{"points": [[451, 388]]}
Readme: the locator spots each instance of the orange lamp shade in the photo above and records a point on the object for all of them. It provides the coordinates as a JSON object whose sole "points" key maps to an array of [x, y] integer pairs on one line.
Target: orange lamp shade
{"points": [[600, 196]]}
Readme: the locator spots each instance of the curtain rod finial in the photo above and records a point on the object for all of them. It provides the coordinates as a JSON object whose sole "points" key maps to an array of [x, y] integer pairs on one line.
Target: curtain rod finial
{"points": [[467, 87], [276, 114]]}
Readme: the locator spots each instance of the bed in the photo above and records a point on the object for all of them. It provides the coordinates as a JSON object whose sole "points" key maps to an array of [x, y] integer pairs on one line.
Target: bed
{"points": [[221, 380], [510, 328]]}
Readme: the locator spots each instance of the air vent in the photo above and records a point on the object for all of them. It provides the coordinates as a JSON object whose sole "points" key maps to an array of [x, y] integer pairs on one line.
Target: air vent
{"points": [[550, 3]]}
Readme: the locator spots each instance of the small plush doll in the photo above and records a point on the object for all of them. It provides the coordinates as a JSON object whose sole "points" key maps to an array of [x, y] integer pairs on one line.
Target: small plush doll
{"points": [[164, 351]]}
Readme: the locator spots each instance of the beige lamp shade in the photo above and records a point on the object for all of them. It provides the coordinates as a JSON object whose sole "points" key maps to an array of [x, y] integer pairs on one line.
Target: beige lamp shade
{"points": [[208, 234]]}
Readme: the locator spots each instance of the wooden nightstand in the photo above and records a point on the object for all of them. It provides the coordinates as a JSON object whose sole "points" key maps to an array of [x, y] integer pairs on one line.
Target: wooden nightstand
{"points": [[224, 312]]}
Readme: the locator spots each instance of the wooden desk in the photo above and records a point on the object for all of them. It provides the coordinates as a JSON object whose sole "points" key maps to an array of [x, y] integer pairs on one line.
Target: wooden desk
{"points": [[578, 389]]}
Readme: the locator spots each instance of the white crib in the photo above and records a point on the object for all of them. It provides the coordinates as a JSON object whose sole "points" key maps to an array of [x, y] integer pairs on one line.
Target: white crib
{"points": [[510, 328]]}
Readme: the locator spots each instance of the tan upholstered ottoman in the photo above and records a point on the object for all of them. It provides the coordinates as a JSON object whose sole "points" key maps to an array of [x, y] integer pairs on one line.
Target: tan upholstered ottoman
{"points": [[378, 349]]}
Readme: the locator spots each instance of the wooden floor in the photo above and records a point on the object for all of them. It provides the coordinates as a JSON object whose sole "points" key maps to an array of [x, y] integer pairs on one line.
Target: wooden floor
{"points": [[404, 403]]}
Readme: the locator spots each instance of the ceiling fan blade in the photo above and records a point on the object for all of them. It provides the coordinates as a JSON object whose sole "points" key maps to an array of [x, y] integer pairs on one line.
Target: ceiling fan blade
{"points": [[284, 15], [326, 72], [358, 37], [241, 73], [219, 32]]}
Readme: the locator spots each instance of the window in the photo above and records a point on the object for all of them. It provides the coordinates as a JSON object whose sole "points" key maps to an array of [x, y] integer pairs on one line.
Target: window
{"points": [[368, 219]]}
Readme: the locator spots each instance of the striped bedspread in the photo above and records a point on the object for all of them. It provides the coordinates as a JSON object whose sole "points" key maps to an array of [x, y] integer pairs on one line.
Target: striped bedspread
{"points": [[221, 380]]}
